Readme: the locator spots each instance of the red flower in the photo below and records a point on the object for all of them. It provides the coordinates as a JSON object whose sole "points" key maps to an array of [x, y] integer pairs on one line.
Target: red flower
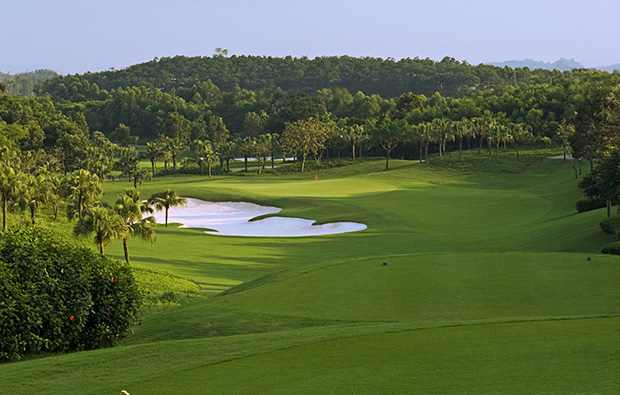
{"points": [[71, 318], [112, 279], [108, 309]]}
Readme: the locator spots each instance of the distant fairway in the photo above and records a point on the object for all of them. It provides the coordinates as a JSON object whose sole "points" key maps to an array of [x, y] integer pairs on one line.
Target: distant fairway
{"points": [[486, 289]]}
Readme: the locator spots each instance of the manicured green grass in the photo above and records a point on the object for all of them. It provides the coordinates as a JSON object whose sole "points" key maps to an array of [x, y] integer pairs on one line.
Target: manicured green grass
{"points": [[487, 289]]}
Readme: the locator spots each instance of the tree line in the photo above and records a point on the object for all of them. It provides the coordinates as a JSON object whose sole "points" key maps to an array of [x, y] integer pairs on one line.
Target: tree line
{"points": [[385, 77]]}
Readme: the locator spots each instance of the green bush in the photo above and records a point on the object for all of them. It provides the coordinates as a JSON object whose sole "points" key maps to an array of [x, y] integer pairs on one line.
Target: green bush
{"points": [[610, 225], [589, 204], [612, 248], [57, 297]]}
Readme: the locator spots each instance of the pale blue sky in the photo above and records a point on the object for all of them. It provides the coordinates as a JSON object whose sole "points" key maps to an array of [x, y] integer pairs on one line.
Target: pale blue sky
{"points": [[75, 36]]}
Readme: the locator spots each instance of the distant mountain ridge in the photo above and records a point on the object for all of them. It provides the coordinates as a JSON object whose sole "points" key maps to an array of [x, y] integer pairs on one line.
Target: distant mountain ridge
{"points": [[560, 64]]}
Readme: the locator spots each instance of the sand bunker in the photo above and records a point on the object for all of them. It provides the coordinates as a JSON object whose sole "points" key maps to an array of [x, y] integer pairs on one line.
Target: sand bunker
{"points": [[233, 219]]}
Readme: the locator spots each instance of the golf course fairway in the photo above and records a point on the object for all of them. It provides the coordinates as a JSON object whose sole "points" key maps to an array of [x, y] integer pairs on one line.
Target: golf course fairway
{"points": [[486, 288]]}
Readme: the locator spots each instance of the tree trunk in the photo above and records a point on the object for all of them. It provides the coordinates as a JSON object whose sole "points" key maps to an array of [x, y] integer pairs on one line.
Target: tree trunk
{"points": [[101, 248], [4, 209], [575, 169], [166, 225], [33, 216], [426, 152], [421, 148], [387, 159], [174, 162], [56, 210], [496, 149], [460, 146], [564, 149], [353, 152], [202, 169], [245, 158], [209, 168], [517, 147], [153, 167], [489, 145], [126, 249], [608, 202]]}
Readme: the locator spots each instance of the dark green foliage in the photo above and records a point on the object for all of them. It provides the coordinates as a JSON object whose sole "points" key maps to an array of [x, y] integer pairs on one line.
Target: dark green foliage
{"points": [[610, 225], [56, 297], [588, 204], [612, 248]]}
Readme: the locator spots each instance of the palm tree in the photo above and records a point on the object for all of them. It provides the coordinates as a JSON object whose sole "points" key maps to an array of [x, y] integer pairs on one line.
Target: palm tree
{"points": [[56, 182], [462, 129], [83, 189], [153, 151], [246, 146], [131, 209], [355, 133], [10, 184], [227, 152], [202, 152], [166, 199], [35, 192], [105, 223], [520, 132]]}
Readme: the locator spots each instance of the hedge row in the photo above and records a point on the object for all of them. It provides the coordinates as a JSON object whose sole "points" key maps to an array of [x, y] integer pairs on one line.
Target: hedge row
{"points": [[57, 297]]}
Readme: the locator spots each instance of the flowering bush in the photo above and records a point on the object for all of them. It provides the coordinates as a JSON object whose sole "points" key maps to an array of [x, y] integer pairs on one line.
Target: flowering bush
{"points": [[56, 297]]}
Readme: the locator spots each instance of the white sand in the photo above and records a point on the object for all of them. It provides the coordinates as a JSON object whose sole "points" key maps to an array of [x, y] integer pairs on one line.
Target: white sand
{"points": [[233, 219]]}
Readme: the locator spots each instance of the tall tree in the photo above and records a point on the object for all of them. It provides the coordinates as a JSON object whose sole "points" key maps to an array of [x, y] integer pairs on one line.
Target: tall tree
{"points": [[202, 153], [246, 149], [34, 194], [388, 134], [10, 185], [153, 151], [132, 210], [83, 189], [218, 133], [304, 137]]}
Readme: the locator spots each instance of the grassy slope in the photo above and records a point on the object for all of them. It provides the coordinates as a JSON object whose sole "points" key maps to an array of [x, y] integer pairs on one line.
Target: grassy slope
{"points": [[482, 270]]}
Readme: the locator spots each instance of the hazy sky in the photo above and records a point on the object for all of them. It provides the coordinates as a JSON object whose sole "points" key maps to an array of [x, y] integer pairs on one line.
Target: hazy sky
{"points": [[71, 36]]}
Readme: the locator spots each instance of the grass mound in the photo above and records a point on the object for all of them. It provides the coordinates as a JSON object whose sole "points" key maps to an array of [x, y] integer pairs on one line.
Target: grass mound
{"points": [[162, 289]]}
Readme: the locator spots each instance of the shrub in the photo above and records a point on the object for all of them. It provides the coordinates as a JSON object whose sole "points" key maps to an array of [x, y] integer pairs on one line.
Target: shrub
{"points": [[612, 248], [610, 225], [57, 297], [588, 204]]}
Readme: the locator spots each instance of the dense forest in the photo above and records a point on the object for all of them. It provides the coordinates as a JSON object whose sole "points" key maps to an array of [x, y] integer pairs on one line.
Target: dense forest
{"points": [[234, 102]]}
